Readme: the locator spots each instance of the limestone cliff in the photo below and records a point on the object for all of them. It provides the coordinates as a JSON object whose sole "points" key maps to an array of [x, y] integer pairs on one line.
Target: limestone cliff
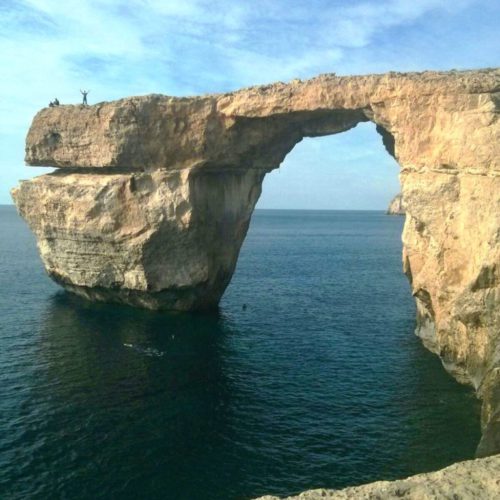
{"points": [[396, 206], [471, 480], [154, 195]]}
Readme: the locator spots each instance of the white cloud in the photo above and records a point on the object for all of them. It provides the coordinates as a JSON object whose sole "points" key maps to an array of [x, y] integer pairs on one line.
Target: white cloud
{"points": [[355, 24], [52, 48]]}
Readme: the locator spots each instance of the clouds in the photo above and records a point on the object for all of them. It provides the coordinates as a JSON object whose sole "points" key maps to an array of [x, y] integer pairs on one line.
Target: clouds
{"points": [[356, 24], [164, 42], [52, 48], [141, 45]]}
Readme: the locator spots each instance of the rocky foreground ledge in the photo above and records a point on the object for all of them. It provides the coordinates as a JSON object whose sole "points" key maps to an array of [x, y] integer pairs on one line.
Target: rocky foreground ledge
{"points": [[472, 480], [153, 196]]}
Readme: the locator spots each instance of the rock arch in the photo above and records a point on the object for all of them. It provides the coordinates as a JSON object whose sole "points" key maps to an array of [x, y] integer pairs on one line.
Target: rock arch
{"points": [[153, 196]]}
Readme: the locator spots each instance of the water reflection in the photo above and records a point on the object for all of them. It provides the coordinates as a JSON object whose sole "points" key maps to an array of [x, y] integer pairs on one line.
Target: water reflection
{"points": [[150, 410]]}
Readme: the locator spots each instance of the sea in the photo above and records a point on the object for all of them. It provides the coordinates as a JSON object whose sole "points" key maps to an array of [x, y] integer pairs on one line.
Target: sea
{"points": [[309, 375]]}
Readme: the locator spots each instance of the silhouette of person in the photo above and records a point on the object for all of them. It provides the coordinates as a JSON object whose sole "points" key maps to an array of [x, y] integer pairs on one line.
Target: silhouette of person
{"points": [[56, 101], [84, 94], [51, 104]]}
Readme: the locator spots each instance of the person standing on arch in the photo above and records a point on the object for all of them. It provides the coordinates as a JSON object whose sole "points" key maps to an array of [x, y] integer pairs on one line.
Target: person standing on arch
{"points": [[84, 94]]}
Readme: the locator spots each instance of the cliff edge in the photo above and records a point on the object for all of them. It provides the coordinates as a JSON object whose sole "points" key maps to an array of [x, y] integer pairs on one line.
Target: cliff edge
{"points": [[471, 480], [396, 206]]}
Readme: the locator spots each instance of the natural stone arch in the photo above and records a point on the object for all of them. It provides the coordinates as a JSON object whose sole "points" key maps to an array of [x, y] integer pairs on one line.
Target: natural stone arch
{"points": [[154, 195]]}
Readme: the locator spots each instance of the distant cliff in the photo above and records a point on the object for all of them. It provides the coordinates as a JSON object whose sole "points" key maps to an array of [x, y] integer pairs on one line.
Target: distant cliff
{"points": [[396, 206]]}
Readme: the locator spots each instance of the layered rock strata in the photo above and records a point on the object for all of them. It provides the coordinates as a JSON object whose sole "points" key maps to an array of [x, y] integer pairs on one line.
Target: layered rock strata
{"points": [[153, 196], [396, 206], [471, 480]]}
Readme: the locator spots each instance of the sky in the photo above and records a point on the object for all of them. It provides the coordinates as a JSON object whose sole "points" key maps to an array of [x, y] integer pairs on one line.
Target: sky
{"points": [[53, 48]]}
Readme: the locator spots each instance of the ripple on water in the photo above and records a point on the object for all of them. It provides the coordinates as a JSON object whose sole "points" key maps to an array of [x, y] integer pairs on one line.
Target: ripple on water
{"points": [[318, 382]]}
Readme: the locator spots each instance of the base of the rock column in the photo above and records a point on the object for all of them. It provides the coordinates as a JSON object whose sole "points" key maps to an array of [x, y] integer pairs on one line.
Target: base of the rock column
{"points": [[182, 299]]}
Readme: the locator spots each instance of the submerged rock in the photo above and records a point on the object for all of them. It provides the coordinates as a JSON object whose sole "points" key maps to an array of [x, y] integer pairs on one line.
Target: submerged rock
{"points": [[474, 479], [153, 196], [396, 206]]}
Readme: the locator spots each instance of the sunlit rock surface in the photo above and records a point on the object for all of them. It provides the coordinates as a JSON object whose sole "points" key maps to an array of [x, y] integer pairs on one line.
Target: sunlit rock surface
{"points": [[396, 206], [154, 195], [471, 480]]}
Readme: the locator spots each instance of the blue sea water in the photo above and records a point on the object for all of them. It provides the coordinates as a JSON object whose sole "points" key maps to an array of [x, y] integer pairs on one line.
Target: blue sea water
{"points": [[319, 382]]}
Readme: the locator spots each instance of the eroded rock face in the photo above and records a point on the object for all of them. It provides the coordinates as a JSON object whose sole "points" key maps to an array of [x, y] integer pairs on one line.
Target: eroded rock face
{"points": [[154, 195], [159, 239]]}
